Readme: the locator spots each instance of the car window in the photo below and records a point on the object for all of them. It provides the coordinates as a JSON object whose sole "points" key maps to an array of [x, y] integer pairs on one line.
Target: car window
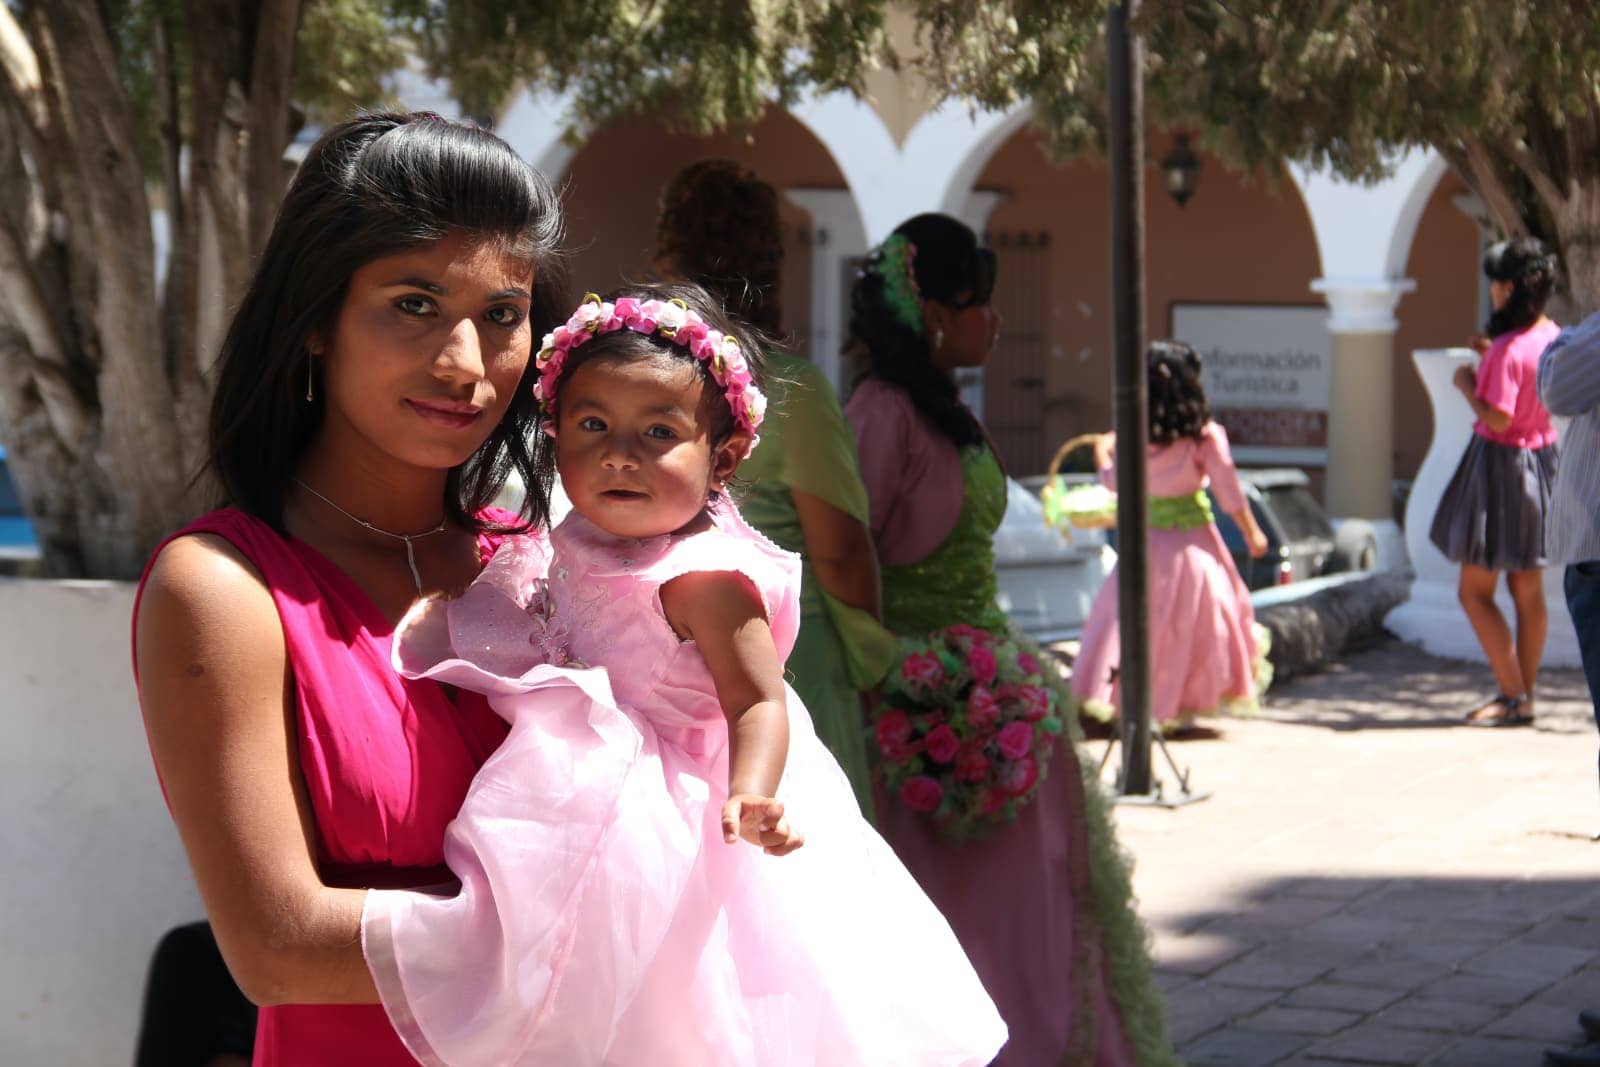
{"points": [[1298, 511]]}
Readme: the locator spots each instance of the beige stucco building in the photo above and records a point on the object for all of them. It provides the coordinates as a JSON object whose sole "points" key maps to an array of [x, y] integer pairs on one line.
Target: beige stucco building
{"points": [[1308, 292]]}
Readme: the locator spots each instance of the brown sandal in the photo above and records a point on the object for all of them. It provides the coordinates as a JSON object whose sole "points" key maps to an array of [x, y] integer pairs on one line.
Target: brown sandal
{"points": [[1514, 711]]}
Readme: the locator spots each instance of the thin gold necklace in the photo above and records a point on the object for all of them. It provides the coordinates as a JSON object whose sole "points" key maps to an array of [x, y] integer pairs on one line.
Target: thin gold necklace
{"points": [[411, 556]]}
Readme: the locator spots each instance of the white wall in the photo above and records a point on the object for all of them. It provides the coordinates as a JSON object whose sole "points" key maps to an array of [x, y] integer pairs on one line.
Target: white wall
{"points": [[93, 873]]}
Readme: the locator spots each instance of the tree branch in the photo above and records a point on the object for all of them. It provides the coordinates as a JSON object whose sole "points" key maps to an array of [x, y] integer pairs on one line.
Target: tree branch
{"points": [[271, 80], [1477, 168]]}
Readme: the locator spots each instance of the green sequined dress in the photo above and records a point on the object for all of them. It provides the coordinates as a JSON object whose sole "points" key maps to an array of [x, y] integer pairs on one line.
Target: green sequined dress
{"points": [[841, 650], [1043, 905]]}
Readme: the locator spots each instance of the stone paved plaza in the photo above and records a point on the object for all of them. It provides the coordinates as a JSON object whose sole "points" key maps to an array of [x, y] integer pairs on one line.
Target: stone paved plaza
{"points": [[1372, 883]]}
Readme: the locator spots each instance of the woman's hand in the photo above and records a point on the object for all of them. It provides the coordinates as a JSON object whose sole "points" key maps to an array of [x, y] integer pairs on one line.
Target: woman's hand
{"points": [[760, 821], [1105, 450], [1478, 343], [1466, 380], [1256, 542]]}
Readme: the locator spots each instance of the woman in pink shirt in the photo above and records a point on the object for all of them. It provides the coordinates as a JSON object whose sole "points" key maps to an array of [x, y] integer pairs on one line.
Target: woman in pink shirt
{"points": [[1491, 517]]}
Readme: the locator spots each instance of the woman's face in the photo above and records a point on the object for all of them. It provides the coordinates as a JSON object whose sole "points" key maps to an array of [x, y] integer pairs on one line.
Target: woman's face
{"points": [[427, 350], [961, 337], [1499, 293]]}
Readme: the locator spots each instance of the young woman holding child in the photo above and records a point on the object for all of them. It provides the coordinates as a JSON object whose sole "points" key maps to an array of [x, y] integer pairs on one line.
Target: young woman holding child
{"points": [[374, 390]]}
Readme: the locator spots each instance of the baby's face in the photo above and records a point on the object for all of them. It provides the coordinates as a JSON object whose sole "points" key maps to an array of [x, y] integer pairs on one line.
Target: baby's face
{"points": [[633, 444]]}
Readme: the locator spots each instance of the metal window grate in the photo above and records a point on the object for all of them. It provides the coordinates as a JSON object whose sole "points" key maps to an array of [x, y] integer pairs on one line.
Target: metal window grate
{"points": [[1015, 379]]}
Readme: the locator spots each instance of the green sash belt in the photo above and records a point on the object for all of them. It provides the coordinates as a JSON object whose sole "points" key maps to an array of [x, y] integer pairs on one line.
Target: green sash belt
{"points": [[1181, 512]]}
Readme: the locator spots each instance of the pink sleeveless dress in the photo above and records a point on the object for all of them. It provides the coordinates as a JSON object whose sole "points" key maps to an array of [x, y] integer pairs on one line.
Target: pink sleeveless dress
{"points": [[601, 918], [386, 761]]}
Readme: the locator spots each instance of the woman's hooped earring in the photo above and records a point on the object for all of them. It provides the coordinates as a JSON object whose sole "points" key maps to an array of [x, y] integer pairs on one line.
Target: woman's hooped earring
{"points": [[310, 373], [938, 339]]}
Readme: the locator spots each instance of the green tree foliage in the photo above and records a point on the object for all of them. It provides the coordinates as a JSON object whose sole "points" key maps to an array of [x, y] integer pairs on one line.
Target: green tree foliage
{"points": [[1508, 91], [706, 64], [111, 107]]}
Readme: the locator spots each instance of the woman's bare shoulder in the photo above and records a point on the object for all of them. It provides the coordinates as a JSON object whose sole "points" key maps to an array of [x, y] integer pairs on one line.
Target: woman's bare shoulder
{"points": [[203, 591]]}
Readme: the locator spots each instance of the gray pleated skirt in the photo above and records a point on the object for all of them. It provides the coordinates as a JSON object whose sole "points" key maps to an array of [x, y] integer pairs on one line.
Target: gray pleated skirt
{"points": [[1492, 512]]}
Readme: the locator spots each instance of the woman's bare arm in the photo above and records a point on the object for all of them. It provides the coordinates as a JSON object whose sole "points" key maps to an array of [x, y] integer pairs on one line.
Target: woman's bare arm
{"points": [[840, 553], [215, 687]]}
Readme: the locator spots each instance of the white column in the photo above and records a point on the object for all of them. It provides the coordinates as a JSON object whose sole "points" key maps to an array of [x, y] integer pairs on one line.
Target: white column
{"points": [[1360, 471], [1432, 616], [837, 236]]}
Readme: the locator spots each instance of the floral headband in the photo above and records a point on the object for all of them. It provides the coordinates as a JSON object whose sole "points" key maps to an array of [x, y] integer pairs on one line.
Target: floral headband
{"points": [[671, 319], [894, 262]]}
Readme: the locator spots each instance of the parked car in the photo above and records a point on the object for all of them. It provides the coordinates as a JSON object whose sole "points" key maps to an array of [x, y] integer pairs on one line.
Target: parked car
{"points": [[1047, 583], [1301, 541], [17, 542]]}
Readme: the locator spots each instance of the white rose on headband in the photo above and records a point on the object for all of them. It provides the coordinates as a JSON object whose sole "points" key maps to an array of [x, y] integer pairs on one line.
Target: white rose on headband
{"points": [[671, 317]]}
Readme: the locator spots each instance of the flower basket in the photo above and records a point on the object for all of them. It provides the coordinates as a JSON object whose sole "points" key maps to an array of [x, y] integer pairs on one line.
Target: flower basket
{"points": [[964, 729], [1083, 507]]}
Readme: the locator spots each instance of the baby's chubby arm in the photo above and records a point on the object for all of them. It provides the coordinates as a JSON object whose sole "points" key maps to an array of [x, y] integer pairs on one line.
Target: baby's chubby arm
{"points": [[722, 613]]}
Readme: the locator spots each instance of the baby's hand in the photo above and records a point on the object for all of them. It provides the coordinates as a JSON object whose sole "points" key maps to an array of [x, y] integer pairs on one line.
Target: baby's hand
{"points": [[760, 821]]}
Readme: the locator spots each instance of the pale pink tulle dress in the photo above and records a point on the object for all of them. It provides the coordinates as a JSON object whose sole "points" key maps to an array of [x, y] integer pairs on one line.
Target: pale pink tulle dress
{"points": [[601, 918], [1203, 643]]}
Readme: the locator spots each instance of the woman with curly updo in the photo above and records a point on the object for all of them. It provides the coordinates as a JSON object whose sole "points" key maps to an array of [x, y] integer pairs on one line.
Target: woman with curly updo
{"points": [[1206, 652], [1491, 517], [719, 227]]}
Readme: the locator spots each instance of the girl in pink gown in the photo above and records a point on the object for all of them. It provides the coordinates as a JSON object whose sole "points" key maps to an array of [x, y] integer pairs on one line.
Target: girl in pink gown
{"points": [[608, 912], [1206, 651]]}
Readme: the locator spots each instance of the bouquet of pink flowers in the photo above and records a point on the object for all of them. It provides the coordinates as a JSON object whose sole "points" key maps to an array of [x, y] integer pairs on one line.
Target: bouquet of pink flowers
{"points": [[965, 728]]}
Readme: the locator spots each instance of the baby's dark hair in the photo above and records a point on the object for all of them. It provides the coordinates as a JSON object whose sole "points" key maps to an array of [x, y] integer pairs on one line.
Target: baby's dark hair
{"points": [[1531, 270], [627, 345], [1178, 405]]}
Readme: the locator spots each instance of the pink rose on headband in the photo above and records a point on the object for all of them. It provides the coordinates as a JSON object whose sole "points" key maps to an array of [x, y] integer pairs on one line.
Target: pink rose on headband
{"points": [[588, 317], [1015, 740], [921, 793], [1028, 664], [670, 316]]}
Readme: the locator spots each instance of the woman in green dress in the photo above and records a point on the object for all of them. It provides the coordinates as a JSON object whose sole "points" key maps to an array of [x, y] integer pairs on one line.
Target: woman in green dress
{"points": [[1034, 884], [719, 227]]}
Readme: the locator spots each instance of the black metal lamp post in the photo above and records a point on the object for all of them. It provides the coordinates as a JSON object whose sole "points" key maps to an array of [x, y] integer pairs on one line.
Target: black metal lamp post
{"points": [[1125, 158], [1181, 170]]}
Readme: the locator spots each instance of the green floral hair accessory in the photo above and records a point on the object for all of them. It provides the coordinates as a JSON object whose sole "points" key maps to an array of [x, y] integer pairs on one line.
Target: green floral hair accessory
{"points": [[894, 261]]}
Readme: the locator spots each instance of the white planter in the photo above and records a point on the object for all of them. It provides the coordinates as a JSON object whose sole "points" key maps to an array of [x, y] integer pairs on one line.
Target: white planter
{"points": [[94, 872], [1433, 617]]}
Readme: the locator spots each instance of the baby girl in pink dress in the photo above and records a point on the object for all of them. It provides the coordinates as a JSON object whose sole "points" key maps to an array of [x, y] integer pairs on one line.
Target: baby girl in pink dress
{"points": [[608, 912]]}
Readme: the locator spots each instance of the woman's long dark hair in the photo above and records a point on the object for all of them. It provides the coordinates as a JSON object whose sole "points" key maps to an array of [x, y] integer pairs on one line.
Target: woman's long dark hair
{"points": [[1531, 270], [719, 227], [948, 267], [1178, 404], [377, 185]]}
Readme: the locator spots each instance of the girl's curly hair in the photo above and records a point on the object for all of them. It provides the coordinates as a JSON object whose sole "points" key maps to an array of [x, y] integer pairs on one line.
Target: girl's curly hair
{"points": [[719, 227], [1178, 404]]}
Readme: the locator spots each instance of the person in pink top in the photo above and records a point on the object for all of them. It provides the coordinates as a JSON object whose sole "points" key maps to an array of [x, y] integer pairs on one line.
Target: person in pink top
{"points": [[369, 403], [1491, 518], [1206, 652], [612, 910]]}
